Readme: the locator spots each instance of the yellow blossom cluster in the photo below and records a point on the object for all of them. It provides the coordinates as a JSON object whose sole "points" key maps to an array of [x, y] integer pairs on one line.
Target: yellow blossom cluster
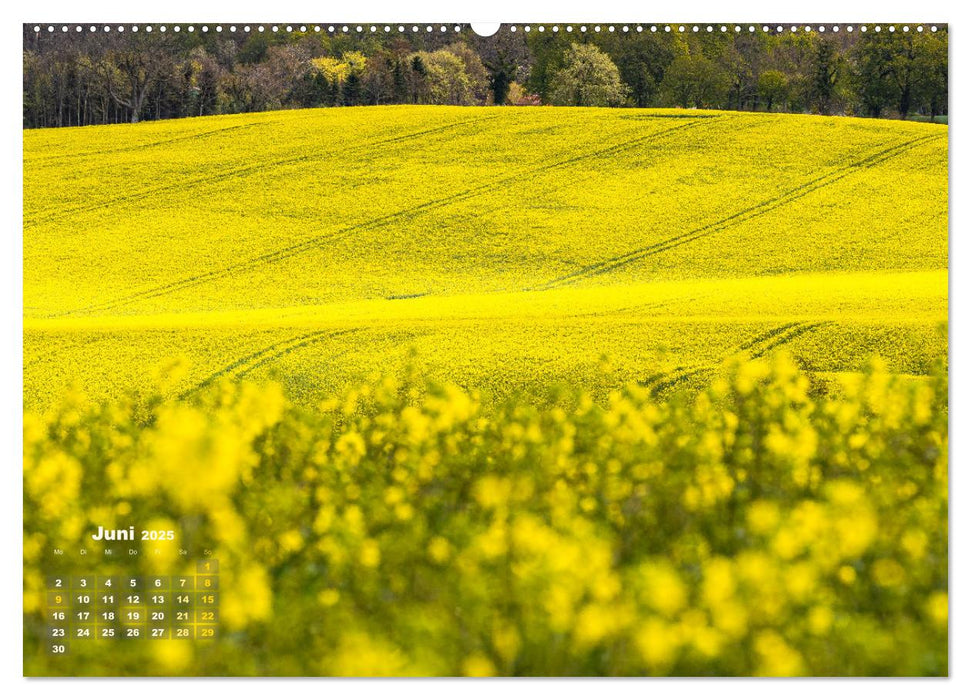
{"points": [[757, 527]]}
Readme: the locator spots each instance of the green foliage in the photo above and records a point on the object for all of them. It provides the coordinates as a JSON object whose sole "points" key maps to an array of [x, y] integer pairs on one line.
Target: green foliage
{"points": [[100, 78], [931, 75], [451, 79], [898, 72], [547, 51], [588, 79], [827, 71], [773, 89], [694, 81]]}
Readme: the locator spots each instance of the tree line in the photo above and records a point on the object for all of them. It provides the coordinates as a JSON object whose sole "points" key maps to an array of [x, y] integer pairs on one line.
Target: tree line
{"points": [[82, 78]]}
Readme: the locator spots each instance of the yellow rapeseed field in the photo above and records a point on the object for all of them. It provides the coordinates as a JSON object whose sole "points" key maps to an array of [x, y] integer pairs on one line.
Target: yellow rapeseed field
{"points": [[402, 530], [498, 391], [504, 247]]}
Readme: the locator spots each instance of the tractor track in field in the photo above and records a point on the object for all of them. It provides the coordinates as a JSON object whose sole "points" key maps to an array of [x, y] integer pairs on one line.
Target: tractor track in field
{"points": [[42, 160], [648, 306], [246, 364], [379, 222], [242, 170], [610, 264], [780, 336], [755, 348], [640, 307], [242, 367], [313, 339]]}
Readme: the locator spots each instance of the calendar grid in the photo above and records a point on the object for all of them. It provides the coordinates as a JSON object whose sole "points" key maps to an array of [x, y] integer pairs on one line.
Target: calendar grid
{"points": [[129, 607]]}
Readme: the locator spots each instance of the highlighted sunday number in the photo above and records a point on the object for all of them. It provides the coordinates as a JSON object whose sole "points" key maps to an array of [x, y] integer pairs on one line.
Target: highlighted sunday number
{"points": [[81, 608]]}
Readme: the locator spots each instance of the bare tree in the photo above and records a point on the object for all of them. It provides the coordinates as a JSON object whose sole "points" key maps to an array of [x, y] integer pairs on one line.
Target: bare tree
{"points": [[130, 73]]}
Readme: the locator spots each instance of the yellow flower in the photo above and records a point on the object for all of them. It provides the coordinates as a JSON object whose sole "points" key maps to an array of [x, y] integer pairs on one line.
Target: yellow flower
{"points": [[937, 608], [350, 447], [478, 666], [370, 555], [763, 517], [777, 658], [658, 643], [439, 549], [820, 620], [914, 542], [492, 492], [329, 597], [800, 580], [53, 483], [245, 595], [719, 581], [506, 641], [888, 573], [593, 623], [730, 617], [847, 574], [360, 655], [665, 591], [291, 541], [172, 655]]}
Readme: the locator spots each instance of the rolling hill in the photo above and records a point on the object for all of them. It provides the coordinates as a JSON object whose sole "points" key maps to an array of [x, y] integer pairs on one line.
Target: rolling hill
{"points": [[495, 247]]}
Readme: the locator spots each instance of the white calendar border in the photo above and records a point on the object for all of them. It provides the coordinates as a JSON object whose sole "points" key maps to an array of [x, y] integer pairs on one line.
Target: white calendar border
{"points": [[510, 11]]}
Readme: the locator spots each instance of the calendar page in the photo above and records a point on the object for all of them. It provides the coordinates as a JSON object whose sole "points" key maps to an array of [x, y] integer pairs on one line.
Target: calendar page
{"points": [[530, 349], [132, 607]]}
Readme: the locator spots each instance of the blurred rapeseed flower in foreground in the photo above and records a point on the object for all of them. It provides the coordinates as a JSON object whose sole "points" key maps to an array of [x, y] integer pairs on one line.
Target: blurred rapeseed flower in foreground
{"points": [[751, 528]]}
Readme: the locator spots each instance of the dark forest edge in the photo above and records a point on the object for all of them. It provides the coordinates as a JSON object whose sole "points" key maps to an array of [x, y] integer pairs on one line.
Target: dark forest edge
{"points": [[84, 78]]}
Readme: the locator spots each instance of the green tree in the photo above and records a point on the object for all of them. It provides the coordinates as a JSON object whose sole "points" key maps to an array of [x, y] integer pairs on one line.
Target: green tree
{"points": [[826, 73], [202, 75], [507, 59], [78, 78], [738, 77], [475, 70], [750, 54], [773, 88], [931, 70], [502, 74], [416, 77], [588, 79], [547, 51], [351, 86], [695, 81], [872, 73], [445, 79], [378, 78], [642, 60], [904, 71], [793, 54]]}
